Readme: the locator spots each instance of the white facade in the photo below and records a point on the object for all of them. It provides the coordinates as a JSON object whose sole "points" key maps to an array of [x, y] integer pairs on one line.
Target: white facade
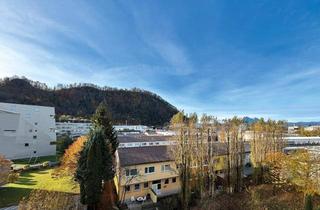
{"points": [[140, 128], [293, 129], [73, 129], [312, 128], [146, 144], [26, 131], [302, 140]]}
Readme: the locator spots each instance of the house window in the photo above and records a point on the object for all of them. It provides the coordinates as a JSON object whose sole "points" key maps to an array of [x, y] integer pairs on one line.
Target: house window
{"points": [[30, 130], [26, 144], [149, 170], [165, 168], [34, 152], [127, 188], [137, 187], [53, 142], [35, 123], [34, 137], [166, 181], [146, 185], [131, 172], [174, 180]]}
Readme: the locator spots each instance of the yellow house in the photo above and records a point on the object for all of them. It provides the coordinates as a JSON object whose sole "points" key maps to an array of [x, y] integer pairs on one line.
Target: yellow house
{"points": [[146, 172], [146, 169]]}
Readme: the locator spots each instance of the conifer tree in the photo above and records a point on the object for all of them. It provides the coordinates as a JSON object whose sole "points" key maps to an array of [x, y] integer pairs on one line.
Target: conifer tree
{"points": [[94, 166], [102, 118]]}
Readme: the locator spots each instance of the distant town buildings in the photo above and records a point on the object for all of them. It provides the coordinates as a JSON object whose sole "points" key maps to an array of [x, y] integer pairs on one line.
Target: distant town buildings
{"points": [[75, 128], [27, 131], [293, 129], [312, 128], [302, 140], [72, 128]]}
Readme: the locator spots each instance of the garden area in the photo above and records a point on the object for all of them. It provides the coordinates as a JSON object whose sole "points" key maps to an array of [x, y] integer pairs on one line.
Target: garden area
{"points": [[28, 180], [12, 193]]}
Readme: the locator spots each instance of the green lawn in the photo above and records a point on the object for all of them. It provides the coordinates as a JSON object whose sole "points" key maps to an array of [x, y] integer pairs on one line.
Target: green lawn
{"points": [[42, 159], [12, 193]]}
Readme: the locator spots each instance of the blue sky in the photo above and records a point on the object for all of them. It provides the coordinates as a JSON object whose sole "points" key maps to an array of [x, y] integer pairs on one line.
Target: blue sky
{"points": [[245, 58]]}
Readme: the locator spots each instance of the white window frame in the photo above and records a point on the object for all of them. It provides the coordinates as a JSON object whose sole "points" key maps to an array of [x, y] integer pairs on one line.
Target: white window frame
{"points": [[163, 168], [148, 170], [129, 170]]}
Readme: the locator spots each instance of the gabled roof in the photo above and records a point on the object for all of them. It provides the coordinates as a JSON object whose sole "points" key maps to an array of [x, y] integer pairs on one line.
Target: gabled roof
{"points": [[142, 155], [141, 138]]}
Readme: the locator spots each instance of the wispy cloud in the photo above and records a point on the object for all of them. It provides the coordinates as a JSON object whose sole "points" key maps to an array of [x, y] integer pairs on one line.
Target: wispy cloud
{"points": [[200, 57]]}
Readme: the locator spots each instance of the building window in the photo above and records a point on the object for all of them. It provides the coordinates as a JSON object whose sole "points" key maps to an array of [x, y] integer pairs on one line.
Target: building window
{"points": [[35, 123], [127, 188], [137, 187], [174, 180], [146, 185], [149, 170], [35, 130], [165, 168], [131, 172], [166, 181], [53, 142], [26, 144], [13, 131], [34, 152], [34, 137], [9, 132], [30, 130]]}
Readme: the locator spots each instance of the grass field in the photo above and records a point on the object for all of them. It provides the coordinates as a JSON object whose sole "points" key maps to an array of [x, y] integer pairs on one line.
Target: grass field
{"points": [[42, 159], [12, 193]]}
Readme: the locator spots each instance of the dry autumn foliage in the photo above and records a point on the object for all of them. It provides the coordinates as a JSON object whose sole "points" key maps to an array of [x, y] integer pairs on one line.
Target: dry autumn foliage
{"points": [[50, 200], [70, 158], [5, 168]]}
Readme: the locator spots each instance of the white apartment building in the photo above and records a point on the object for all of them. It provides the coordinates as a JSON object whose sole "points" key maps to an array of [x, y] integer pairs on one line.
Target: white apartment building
{"points": [[76, 129], [73, 129], [140, 128], [27, 131]]}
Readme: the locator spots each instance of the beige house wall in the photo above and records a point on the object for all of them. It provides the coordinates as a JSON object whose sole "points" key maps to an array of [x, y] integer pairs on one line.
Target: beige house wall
{"points": [[166, 189]]}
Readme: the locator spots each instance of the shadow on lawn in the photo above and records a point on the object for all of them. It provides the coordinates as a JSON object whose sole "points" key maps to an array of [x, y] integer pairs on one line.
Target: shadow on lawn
{"points": [[12, 195], [25, 181]]}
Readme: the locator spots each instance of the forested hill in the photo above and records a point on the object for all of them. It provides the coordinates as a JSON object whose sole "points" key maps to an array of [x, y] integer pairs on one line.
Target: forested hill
{"points": [[133, 106]]}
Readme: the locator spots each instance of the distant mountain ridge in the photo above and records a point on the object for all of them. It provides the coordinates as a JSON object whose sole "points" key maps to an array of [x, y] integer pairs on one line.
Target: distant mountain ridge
{"points": [[127, 106], [303, 124], [250, 120]]}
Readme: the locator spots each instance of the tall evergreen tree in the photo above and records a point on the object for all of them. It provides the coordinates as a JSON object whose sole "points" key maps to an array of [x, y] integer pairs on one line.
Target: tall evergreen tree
{"points": [[94, 166], [102, 118]]}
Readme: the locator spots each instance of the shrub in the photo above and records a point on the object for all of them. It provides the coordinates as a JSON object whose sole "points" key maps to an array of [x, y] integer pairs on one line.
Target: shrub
{"points": [[5, 168], [13, 177]]}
